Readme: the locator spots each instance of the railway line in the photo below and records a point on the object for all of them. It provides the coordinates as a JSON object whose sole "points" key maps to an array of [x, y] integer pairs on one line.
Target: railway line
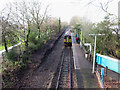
{"points": [[65, 72]]}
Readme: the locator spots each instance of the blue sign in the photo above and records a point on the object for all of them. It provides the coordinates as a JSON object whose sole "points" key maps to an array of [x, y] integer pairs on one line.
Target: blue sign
{"points": [[111, 63], [102, 73]]}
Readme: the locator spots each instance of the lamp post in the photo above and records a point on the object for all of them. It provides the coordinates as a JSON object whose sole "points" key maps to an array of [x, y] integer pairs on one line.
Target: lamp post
{"points": [[93, 70], [81, 38]]}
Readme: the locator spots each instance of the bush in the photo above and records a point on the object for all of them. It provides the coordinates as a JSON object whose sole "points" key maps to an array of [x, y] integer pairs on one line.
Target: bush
{"points": [[21, 64], [32, 47], [33, 39], [118, 53], [12, 55]]}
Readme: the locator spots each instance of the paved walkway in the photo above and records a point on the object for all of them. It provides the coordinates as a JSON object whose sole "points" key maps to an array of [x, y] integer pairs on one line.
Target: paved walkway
{"points": [[83, 68]]}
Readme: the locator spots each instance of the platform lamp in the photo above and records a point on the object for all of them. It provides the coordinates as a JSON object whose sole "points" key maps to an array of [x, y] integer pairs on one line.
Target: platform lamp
{"points": [[93, 70], [81, 38]]}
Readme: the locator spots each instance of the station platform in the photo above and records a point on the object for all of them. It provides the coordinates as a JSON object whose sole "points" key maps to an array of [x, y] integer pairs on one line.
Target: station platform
{"points": [[83, 68]]}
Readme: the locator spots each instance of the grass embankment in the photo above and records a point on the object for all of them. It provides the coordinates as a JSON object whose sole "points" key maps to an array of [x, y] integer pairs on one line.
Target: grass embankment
{"points": [[17, 60]]}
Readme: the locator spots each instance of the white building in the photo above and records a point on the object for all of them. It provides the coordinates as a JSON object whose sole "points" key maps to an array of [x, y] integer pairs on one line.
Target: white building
{"points": [[115, 28]]}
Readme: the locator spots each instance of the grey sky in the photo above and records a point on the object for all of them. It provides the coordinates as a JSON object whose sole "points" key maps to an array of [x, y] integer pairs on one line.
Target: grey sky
{"points": [[66, 9]]}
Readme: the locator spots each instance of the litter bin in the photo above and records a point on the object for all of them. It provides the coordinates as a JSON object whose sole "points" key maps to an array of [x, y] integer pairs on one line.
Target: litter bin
{"points": [[86, 54]]}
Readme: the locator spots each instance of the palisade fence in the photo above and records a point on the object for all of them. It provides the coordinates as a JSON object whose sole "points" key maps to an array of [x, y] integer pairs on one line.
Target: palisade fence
{"points": [[107, 68], [104, 61]]}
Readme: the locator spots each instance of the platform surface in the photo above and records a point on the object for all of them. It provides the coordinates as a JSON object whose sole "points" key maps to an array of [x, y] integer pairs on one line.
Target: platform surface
{"points": [[83, 67]]}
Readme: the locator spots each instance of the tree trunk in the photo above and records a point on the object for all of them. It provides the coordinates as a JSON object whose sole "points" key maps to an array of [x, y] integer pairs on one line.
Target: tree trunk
{"points": [[5, 45], [4, 40], [27, 39], [39, 32]]}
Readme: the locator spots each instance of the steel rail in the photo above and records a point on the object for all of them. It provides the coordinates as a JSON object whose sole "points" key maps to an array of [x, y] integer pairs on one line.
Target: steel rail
{"points": [[60, 69], [70, 71]]}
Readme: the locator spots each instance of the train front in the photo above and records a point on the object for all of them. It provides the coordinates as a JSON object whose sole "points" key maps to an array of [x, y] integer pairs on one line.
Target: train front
{"points": [[67, 38]]}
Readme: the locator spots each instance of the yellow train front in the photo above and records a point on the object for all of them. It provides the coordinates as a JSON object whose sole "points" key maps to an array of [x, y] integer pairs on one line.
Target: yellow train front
{"points": [[67, 39]]}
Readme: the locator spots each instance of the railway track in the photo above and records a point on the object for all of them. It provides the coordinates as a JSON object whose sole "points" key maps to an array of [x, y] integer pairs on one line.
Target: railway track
{"points": [[65, 71]]}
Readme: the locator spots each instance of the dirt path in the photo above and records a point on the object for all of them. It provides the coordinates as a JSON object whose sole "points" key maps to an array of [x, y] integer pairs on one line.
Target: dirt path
{"points": [[42, 77]]}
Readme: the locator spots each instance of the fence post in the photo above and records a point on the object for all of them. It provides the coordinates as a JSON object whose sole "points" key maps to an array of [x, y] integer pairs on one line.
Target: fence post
{"points": [[106, 68], [90, 57], [102, 73]]}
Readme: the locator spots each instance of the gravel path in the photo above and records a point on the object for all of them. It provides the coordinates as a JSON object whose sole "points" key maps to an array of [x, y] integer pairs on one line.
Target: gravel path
{"points": [[42, 77]]}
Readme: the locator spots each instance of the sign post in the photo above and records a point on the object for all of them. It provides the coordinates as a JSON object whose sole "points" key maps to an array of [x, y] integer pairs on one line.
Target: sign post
{"points": [[102, 73]]}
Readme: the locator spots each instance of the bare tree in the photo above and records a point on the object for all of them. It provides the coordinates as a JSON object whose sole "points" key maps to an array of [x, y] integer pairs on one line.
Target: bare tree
{"points": [[102, 5], [5, 25], [37, 16], [28, 20], [23, 19], [75, 20]]}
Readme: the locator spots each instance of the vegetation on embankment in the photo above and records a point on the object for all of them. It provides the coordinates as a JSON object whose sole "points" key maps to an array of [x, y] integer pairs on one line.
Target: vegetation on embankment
{"points": [[14, 66], [30, 25], [108, 44]]}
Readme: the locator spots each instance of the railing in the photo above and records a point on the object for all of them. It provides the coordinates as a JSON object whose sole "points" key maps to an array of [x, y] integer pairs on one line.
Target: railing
{"points": [[2, 51]]}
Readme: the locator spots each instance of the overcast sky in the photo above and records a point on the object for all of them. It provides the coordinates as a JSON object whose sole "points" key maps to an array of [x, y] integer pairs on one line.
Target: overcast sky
{"points": [[66, 9]]}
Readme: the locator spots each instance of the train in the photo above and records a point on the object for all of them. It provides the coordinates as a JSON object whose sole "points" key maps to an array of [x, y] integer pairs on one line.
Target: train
{"points": [[68, 38]]}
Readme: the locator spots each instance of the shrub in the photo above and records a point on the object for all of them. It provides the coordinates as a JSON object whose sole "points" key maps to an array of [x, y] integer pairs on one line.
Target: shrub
{"points": [[12, 55], [32, 47], [118, 53], [33, 38]]}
